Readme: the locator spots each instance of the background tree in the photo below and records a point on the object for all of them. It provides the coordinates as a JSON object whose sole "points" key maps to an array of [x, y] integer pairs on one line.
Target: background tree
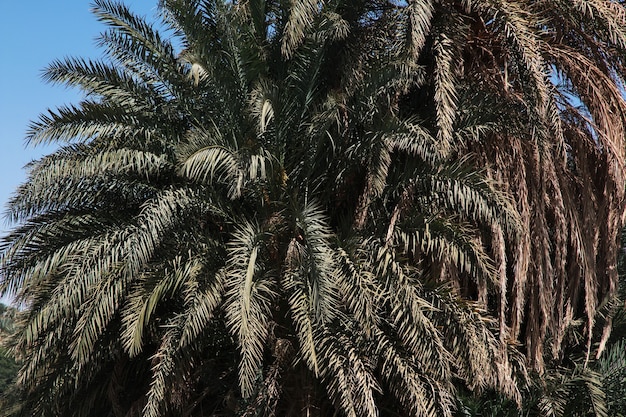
{"points": [[8, 366], [7, 319], [533, 89]]}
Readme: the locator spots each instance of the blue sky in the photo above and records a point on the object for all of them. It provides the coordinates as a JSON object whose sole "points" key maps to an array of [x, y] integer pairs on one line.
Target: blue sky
{"points": [[32, 35]]}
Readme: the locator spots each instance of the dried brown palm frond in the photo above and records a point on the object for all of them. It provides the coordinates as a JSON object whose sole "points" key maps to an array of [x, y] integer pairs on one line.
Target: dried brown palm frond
{"points": [[536, 95]]}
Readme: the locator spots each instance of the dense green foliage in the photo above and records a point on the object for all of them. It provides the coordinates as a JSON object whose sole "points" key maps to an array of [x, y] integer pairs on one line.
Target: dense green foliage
{"points": [[8, 370], [7, 320], [8, 366], [316, 208]]}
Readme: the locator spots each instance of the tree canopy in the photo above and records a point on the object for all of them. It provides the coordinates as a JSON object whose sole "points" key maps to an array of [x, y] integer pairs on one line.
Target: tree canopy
{"points": [[288, 207]]}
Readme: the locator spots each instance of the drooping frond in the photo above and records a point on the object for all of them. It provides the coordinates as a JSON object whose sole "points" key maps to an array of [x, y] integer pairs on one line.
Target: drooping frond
{"points": [[249, 294], [348, 374], [301, 16]]}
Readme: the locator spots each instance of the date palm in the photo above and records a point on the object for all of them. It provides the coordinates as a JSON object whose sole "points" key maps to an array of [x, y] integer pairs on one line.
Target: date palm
{"points": [[244, 221], [539, 85], [275, 211]]}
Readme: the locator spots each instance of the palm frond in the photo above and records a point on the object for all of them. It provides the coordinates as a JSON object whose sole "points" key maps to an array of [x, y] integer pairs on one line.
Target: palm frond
{"points": [[248, 298], [300, 20]]}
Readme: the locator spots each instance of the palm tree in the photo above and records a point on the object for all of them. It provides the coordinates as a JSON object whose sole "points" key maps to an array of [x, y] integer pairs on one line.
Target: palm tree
{"points": [[276, 212], [533, 91], [245, 223], [539, 86]]}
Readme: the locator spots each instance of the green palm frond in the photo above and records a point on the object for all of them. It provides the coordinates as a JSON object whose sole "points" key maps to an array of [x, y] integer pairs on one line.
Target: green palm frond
{"points": [[202, 304], [358, 288], [299, 299], [119, 162], [417, 392], [83, 123], [103, 80], [248, 298], [141, 49], [166, 359], [208, 161], [155, 290], [348, 373], [446, 241], [445, 90], [418, 17], [415, 140], [316, 263], [420, 338], [300, 20], [463, 190]]}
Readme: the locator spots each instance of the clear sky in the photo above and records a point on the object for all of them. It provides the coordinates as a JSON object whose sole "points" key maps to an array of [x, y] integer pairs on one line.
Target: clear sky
{"points": [[33, 34]]}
